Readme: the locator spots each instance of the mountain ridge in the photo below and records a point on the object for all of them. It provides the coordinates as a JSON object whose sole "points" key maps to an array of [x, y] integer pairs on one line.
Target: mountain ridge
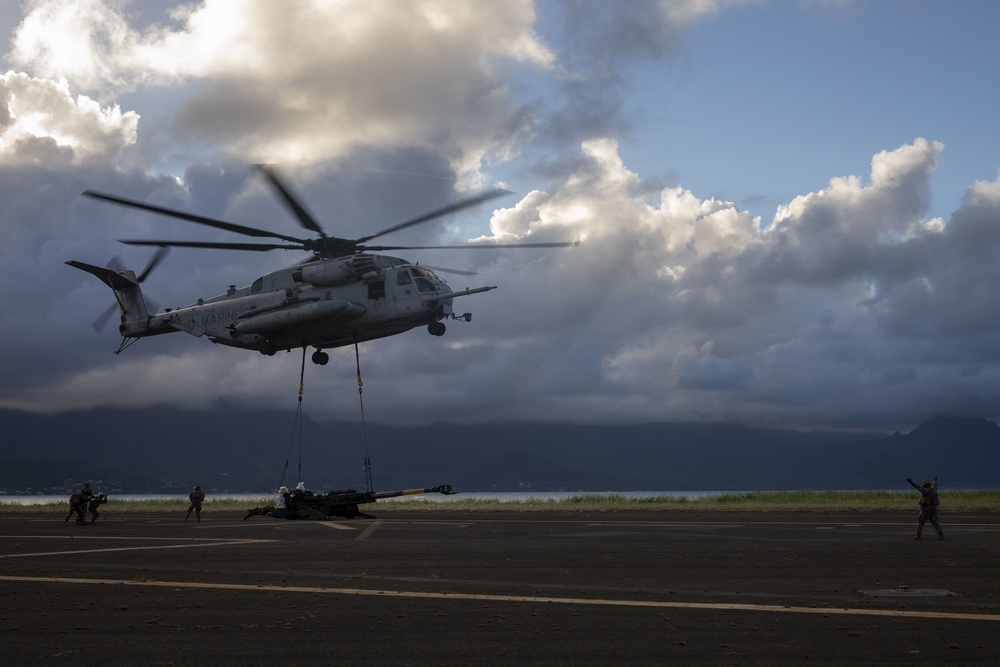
{"points": [[168, 450]]}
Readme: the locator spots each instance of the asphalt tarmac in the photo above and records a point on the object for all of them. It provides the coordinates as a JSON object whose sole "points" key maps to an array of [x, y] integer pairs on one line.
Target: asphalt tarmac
{"points": [[499, 588]]}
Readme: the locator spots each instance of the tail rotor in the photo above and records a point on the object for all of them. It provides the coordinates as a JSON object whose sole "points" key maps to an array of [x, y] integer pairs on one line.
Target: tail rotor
{"points": [[115, 264]]}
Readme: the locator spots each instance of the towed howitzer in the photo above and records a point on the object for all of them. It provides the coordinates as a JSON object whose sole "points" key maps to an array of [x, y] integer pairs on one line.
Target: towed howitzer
{"points": [[342, 503]]}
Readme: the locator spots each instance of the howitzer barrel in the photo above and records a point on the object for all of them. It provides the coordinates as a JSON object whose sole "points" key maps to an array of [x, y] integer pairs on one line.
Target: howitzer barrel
{"points": [[444, 489], [308, 505]]}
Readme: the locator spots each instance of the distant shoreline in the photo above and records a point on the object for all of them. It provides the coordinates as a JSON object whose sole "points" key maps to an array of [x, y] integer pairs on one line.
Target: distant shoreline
{"points": [[987, 501]]}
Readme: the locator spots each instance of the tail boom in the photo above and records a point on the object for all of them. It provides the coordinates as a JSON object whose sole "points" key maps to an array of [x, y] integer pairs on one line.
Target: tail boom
{"points": [[135, 319]]}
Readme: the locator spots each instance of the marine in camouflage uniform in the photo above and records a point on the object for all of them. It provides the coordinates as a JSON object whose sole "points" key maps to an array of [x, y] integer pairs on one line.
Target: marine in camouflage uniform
{"points": [[78, 503], [928, 506], [96, 502], [196, 497]]}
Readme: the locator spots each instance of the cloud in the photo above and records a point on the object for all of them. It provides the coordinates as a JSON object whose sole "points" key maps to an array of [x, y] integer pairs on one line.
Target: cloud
{"points": [[846, 229], [848, 305], [78, 41], [672, 307], [682, 13], [309, 82], [692, 309], [42, 123], [943, 282]]}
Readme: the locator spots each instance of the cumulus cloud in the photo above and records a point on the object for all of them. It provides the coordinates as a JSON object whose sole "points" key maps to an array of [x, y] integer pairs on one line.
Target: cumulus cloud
{"points": [[309, 81], [79, 41], [846, 228], [693, 309], [42, 119]]}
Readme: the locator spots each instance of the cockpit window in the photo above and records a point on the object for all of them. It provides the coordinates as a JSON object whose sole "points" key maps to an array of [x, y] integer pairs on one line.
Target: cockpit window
{"points": [[424, 285], [403, 277], [427, 273]]}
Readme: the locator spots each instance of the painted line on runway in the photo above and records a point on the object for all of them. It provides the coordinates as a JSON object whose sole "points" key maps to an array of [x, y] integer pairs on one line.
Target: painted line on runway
{"points": [[748, 523], [144, 538], [711, 606], [335, 525], [661, 524], [190, 544], [370, 530]]}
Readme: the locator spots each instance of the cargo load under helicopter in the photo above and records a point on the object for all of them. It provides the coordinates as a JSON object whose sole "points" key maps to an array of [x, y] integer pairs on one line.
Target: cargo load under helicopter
{"points": [[301, 504]]}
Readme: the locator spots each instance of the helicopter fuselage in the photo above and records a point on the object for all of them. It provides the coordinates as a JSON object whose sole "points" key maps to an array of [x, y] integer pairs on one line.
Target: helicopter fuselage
{"points": [[326, 303]]}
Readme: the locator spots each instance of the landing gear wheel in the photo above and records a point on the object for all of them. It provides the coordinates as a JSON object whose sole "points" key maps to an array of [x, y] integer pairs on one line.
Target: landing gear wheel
{"points": [[268, 349], [320, 358], [436, 328]]}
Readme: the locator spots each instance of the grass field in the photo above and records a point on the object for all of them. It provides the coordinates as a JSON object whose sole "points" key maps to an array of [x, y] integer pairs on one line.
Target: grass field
{"points": [[754, 501]]}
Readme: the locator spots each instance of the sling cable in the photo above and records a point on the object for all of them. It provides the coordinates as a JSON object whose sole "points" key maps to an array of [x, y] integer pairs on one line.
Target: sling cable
{"points": [[335, 503], [296, 428], [369, 487]]}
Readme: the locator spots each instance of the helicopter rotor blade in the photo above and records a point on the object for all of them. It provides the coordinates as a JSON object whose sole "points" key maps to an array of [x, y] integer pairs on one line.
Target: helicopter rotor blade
{"points": [[441, 269], [451, 208], [470, 246], [323, 246], [213, 245], [157, 258], [101, 320], [304, 217], [190, 217], [115, 264]]}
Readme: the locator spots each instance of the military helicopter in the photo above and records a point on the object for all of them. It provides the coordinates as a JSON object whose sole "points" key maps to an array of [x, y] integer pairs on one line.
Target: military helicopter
{"points": [[344, 294]]}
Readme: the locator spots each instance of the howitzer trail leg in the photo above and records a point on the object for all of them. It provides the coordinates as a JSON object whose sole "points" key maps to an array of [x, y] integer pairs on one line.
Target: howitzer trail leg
{"points": [[258, 511]]}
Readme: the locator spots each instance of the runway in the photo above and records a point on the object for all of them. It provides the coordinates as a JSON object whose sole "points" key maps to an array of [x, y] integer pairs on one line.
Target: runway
{"points": [[500, 587]]}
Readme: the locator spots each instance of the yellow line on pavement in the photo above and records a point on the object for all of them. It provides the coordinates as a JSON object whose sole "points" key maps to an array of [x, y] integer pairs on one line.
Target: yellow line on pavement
{"points": [[187, 545], [713, 606], [335, 525], [370, 530]]}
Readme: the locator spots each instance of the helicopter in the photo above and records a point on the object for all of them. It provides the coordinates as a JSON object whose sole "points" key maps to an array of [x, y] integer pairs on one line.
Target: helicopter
{"points": [[344, 294]]}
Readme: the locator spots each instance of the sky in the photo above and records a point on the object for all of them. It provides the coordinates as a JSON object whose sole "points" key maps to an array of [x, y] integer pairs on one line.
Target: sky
{"points": [[788, 212]]}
